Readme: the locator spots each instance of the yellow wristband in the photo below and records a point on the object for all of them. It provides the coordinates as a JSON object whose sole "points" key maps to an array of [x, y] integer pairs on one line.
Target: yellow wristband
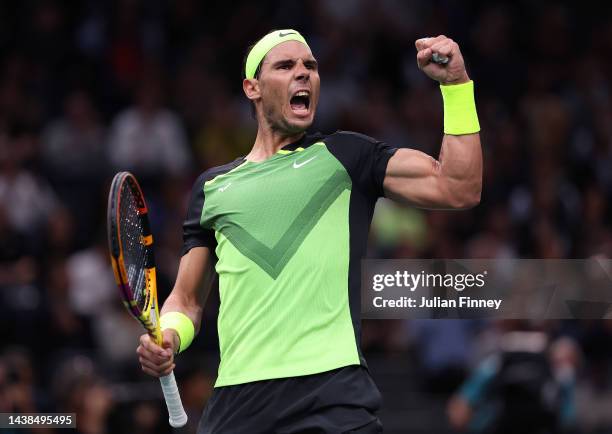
{"points": [[183, 326], [460, 115]]}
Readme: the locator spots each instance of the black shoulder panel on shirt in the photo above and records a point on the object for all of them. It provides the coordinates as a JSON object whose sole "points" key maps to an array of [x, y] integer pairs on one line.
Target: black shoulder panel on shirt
{"points": [[194, 235], [364, 158]]}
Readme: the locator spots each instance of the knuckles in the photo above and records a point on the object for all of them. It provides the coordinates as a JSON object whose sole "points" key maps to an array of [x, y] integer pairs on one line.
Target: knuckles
{"points": [[442, 42], [162, 365]]}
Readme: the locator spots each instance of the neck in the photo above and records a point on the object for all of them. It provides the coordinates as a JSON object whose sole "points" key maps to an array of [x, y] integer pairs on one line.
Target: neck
{"points": [[268, 142]]}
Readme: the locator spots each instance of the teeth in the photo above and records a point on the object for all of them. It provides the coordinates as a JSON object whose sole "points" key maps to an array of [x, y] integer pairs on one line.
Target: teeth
{"points": [[302, 93]]}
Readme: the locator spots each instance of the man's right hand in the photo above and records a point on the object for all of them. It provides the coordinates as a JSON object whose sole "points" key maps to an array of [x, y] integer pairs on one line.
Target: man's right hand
{"points": [[155, 360]]}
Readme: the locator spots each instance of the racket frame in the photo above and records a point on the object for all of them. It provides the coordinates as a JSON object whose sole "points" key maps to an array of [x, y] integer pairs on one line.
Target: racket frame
{"points": [[149, 315]]}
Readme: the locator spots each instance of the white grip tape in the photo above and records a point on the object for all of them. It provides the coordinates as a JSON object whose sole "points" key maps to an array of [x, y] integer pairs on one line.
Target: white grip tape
{"points": [[178, 417]]}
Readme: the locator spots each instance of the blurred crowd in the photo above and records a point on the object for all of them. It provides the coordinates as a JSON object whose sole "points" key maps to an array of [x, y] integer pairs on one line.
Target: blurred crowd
{"points": [[93, 87]]}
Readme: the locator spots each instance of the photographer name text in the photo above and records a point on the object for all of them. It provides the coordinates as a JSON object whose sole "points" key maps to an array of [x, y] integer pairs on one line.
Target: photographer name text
{"points": [[413, 281]]}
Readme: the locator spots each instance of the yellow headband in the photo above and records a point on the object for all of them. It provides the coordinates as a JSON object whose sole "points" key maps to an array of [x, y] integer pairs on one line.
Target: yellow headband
{"points": [[265, 44]]}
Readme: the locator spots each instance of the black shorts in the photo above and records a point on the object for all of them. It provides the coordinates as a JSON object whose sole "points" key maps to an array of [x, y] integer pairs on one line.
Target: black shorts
{"points": [[344, 400]]}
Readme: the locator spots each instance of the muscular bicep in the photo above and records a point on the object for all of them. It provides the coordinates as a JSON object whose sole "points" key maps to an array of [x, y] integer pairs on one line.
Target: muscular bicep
{"points": [[413, 177], [454, 181], [193, 283]]}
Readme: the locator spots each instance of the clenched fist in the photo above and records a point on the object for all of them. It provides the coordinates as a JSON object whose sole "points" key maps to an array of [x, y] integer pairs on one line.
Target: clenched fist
{"points": [[452, 72], [155, 360]]}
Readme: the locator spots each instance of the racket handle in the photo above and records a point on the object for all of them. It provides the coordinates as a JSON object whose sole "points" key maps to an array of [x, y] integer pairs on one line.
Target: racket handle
{"points": [[439, 59], [178, 417]]}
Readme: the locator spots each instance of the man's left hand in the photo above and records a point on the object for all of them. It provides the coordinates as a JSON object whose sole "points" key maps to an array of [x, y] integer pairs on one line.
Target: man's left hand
{"points": [[452, 72]]}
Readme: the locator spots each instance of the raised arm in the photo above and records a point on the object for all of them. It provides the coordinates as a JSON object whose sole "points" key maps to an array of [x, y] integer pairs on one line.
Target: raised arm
{"points": [[192, 287], [454, 181]]}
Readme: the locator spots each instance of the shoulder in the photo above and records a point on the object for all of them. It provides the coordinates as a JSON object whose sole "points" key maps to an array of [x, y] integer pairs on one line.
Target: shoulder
{"points": [[213, 172], [196, 198], [351, 147], [350, 138]]}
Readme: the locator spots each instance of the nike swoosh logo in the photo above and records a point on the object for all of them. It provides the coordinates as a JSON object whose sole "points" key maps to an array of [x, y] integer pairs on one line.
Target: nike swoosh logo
{"points": [[297, 166], [222, 189], [281, 34]]}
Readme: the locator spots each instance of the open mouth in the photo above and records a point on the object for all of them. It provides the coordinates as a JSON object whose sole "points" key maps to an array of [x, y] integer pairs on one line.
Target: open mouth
{"points": [[300, 102]]}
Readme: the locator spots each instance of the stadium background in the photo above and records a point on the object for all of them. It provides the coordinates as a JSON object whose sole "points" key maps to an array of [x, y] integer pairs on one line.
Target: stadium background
{"points": [[88, 88]]}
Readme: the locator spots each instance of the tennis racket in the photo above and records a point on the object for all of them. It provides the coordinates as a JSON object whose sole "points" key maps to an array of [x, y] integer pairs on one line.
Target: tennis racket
{"points": [[131, 250]]}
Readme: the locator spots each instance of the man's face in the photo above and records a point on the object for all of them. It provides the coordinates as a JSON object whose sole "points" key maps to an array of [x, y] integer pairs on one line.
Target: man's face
{"points": [[289, 84]]}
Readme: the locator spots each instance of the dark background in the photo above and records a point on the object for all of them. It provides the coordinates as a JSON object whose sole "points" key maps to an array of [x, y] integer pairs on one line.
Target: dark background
{"points": [[92, 87]]}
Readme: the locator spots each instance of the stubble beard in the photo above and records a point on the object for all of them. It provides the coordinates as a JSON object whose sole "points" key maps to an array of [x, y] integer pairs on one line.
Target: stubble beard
{"points": [[280, 125]]}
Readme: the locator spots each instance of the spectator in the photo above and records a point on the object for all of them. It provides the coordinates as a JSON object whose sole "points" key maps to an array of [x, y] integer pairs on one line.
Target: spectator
{"points": [[526, 386], [148, 138], [27, 197]]}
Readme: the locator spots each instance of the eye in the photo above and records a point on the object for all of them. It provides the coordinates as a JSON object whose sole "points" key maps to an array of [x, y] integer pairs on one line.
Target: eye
{"points": [[285, 66]]}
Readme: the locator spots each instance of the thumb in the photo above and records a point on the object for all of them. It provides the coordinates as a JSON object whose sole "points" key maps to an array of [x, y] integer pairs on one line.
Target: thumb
{"points": [[170, 341]]}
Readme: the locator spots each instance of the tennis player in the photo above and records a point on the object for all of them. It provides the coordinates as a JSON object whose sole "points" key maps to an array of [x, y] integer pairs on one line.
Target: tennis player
{"points": [[285, 228]]}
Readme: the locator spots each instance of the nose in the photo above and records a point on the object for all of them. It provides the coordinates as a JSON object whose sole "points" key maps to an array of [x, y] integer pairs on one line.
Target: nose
{"points": [[301, 72]]}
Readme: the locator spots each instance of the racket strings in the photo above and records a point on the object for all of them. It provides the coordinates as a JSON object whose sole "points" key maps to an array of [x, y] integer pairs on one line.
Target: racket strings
{"points": [[132, 246]]}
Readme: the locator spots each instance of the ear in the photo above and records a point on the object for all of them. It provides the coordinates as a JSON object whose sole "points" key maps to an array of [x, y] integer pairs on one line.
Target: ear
{"points": [[251, 88]]}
